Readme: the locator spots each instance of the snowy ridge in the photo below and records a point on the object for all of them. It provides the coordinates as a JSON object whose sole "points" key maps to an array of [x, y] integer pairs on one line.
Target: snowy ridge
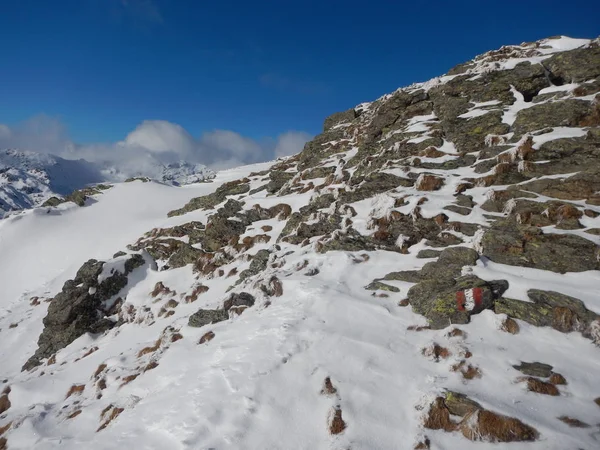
{"points": [[311, 302]]}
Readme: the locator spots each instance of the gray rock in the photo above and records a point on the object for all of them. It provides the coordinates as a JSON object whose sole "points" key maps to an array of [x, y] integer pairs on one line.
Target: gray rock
{"points": [[338, 118], [80, 307], [436, 299], [186, 254], [459, 404], [239, 299], [257, 265], [428, 253], [550, 309], [507, 242], [207, 316], [535, 369], [378, 285], [574, 66], [566, 113]]}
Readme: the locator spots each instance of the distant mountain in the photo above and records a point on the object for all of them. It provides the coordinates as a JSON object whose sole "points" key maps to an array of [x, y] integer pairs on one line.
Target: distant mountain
{"points": [[177, 174], [27, 178]]}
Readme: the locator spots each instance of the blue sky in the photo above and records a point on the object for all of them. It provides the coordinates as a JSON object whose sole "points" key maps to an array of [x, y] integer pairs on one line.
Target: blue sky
{"points": [[98, 68]]}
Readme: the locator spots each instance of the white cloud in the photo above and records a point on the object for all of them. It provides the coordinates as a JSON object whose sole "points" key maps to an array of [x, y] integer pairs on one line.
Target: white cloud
{"points": [[290, 143], [153, 140], [43, 133], [160, 136], [4, 131]]}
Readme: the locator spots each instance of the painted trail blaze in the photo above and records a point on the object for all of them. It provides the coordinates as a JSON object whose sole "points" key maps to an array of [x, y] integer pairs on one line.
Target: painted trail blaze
{"points": [[469, 299]]}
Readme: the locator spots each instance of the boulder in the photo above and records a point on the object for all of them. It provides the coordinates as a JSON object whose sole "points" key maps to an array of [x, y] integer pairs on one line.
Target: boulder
{"points": [[508, 242], [258, 264], [551, 309], [81, 306], [239, 299], [535, 369], [450, 301], [207, 316]]}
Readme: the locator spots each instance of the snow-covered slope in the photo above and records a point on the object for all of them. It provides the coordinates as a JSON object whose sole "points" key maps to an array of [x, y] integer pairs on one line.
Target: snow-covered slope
{"points": [[27, 179], [423, 275]]}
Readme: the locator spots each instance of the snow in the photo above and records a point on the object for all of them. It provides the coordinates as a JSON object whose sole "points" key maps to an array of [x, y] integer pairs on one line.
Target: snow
{"points": [[558, 133], [562, 44], [474, 113], [510, 114], [564, 88]]}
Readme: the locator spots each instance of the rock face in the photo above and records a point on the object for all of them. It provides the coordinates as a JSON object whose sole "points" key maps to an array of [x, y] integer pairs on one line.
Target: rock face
{"points": [[82, 305]]}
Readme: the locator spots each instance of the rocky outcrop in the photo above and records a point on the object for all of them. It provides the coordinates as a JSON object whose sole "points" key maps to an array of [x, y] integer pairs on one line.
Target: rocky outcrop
{"points": [[508, 242], [207, 316], [82, 305], [551, 309], [212, 200]]}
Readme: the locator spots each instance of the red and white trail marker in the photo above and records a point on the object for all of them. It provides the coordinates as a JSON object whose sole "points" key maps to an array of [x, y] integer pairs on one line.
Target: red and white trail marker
{"points": [[469, 299]]}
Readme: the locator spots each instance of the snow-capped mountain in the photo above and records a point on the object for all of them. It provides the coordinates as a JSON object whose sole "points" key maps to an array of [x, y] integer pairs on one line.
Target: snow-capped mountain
{"points": [[423, 275], [178, 173], [28, 179]]}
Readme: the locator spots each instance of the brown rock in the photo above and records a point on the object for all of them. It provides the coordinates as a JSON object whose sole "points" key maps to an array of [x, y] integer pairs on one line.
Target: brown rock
{"points": [[160, 289], [456, 332], [207, 337], [483, 425], [336, 423], [563, 319], [75, 389], [109, 414], [151, 365], [4, 403], [557, 379], [541, 387], [423, 445], [468, 371], [74, 414], [431, 152], [573, 423], [147, 350], [436, 352], [99, 370], [438, 417], [510, 326], [328, 387], [429, 183], [4, 428]]}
